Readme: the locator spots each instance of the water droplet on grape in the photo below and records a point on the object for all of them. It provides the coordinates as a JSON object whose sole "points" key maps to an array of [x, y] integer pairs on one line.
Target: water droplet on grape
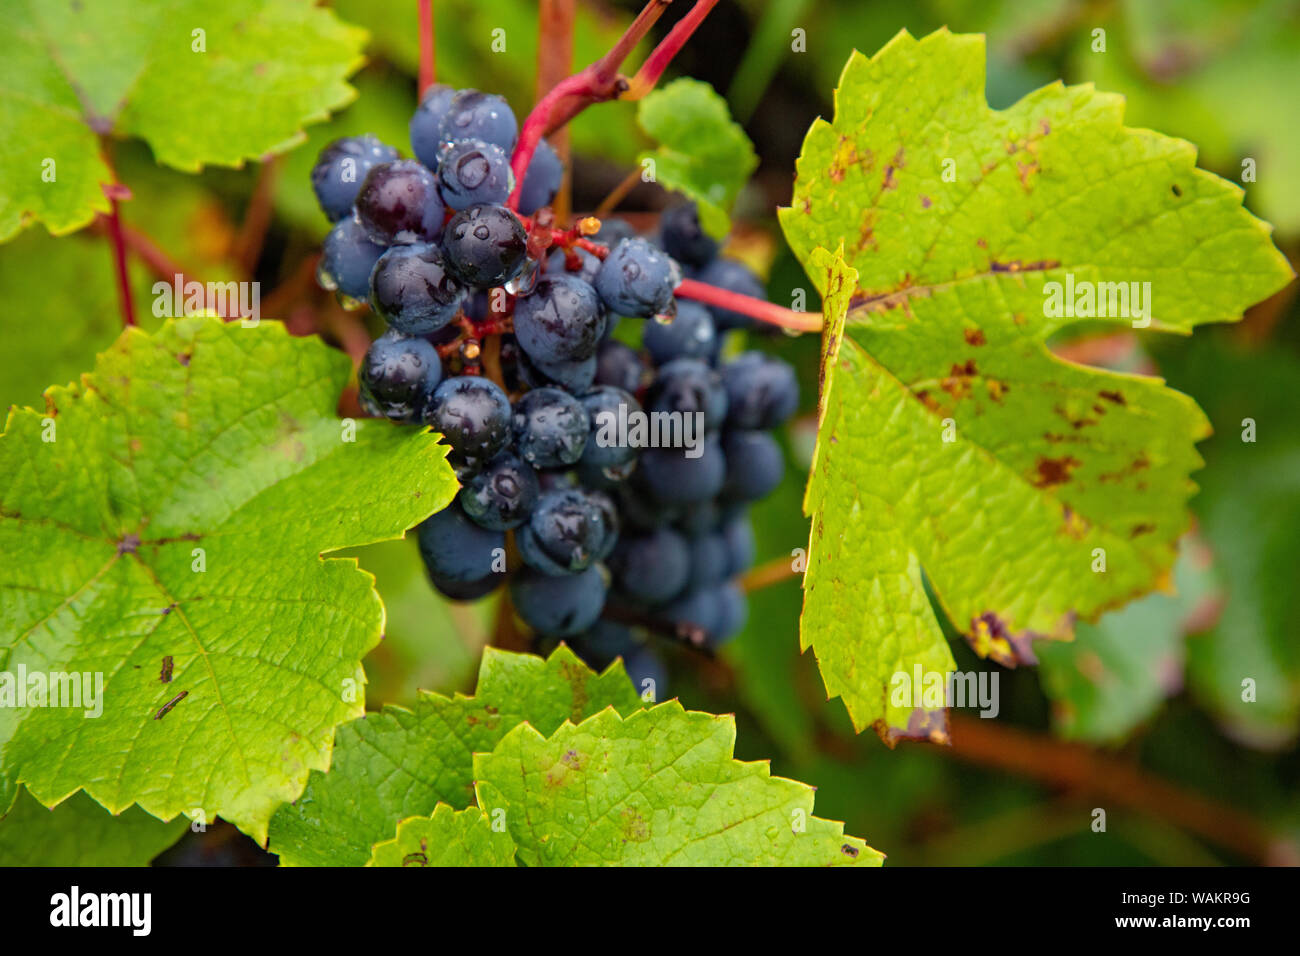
{"points": [[325, 277], [526, 281]]}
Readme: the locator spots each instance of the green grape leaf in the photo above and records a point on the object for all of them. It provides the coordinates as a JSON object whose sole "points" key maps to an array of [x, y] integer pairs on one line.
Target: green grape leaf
{"points": [[702, 151], [202, 81], [171, 509], [79, 832], [400, 763], [661, 787], [947, 238], [447, 838]]}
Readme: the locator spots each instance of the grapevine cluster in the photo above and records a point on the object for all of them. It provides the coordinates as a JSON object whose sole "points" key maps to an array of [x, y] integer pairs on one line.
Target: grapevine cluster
{"points": [[500, 337]]}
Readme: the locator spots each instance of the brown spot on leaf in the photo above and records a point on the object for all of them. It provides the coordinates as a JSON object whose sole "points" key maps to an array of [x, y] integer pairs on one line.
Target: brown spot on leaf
{"points": [[888, 182], [1054, 471], [184, 358], [1016, 265], [1140, 529], [1140, 463], [415, 859], [973, 336], [1116, 397], [1177, 192], [991, 637], [958, 381], [925, 202], [634, 826], [922, 724], [577, 688], [849, 850], [928, 400], [1076, 423], [1024, 171], [1073, 524], [997, 389], [572, 759]]}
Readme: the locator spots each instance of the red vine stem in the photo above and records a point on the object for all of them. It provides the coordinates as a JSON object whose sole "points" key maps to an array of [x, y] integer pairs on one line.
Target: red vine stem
{"points": [[555, 19], [596, 83], [747, 305], [114, 194], [427, 71], [663, 54]]}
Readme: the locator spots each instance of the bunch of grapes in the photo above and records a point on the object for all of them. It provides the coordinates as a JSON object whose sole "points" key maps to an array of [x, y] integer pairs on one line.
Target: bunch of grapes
{"points": [[614, 535]]}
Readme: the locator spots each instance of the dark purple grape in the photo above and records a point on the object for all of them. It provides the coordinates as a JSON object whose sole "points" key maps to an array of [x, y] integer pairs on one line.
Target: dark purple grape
{"points": [[619, 365], [755, 465], [340, 169], [473, 416], [762, 391], [399, 203], [542, 180], [485, 245], [502, 495], [397, 376], [411, 289], [472, 114], [473, 172], [550, 428], [684, 239], [560, 321], [637, 279], [426, 122]]}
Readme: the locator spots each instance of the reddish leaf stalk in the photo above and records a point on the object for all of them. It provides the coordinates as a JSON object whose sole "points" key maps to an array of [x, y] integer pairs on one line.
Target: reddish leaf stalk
{"points": [[596, 83], [257, 218], [119, 260], [663, 54], [427, 66], [759, 309]]}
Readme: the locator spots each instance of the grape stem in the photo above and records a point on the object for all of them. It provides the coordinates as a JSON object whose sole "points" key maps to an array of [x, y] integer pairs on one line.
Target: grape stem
{"points": [[427, 70], [770, 572], [257, 217], [115, 193], [747, 305], [618, 193], [663, 54], [555, 19], [600, 82]]}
